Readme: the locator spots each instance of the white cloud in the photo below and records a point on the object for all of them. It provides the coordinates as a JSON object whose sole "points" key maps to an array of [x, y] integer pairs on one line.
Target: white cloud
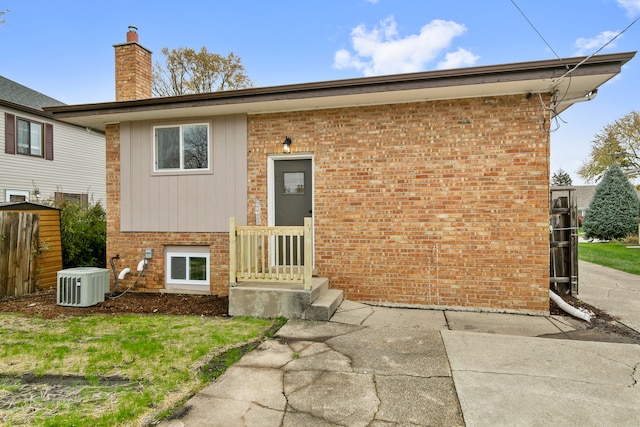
{"points": [[631, 6], [457, 59], [382, 51], [587, 46]]}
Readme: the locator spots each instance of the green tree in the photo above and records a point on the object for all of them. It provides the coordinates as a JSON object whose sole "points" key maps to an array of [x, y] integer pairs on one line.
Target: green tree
{"points": [[83, 232], [561, 179], [617, 144], [187, 71], [614, 209]]}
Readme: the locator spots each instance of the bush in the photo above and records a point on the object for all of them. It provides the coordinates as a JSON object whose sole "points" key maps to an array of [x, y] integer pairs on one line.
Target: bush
{"points": [[613, 212], [84, 234]]}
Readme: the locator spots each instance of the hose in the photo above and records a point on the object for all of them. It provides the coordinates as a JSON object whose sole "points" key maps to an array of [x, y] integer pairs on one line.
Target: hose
{"points": [[569, 308], [115, 274]]}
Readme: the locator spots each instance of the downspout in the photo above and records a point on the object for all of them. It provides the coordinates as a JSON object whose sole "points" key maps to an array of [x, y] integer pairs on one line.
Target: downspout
{"points": [[568, 308]]}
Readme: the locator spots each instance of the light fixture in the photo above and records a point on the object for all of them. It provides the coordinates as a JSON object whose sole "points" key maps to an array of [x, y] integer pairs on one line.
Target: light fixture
{"points": [[286, 145]]}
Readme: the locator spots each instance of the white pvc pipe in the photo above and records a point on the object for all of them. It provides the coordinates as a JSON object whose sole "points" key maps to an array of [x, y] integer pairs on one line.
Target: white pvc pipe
{"points": [[569, 308], [124, 273]]}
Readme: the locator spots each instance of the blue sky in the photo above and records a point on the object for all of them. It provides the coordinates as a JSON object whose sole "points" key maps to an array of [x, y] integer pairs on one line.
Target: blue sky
{"points": [[64, 48]]}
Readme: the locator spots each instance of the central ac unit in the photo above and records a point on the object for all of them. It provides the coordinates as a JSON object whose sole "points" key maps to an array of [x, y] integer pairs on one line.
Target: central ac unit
{"points": [[82, 286]]}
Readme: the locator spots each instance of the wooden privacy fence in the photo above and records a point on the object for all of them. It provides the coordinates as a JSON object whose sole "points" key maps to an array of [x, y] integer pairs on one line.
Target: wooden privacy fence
{"points": [[18, 253], [270, 254]]}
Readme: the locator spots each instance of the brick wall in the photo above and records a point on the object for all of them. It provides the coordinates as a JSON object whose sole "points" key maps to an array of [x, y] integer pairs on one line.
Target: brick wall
{"points": [[439, 203], [133, 71]]}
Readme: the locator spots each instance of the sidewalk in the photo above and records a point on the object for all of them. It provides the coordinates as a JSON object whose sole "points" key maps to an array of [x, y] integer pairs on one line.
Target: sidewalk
{"points": [[376, 366]]}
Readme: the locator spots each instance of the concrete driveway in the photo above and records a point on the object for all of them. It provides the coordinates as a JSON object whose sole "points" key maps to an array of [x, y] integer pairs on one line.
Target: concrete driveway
{"points": [[376, 366], [613, 291]]}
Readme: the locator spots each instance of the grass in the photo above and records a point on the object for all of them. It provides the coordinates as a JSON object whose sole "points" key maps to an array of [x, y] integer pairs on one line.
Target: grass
{"points": [[613, 255], [112, 370]]}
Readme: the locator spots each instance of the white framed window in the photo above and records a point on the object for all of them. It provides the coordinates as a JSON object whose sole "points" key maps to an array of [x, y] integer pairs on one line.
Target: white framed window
{"points": [[184, 147], [16, 196], [187, 267], [30, 137]]}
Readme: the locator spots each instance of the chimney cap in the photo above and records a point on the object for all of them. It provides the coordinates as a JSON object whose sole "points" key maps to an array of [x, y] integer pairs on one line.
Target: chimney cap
{"points": [[132, 34]]}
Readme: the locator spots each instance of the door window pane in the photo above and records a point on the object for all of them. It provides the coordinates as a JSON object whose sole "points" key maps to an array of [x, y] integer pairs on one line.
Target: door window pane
{"points": [[294, 183]]}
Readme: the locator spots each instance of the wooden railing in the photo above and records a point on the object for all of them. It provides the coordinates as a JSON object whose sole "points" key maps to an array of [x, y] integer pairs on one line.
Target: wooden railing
{"points": [[270, 254]]}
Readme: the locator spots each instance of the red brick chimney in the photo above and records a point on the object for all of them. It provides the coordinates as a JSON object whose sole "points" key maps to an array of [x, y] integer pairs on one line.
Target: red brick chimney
{"points": [[133, 69]]}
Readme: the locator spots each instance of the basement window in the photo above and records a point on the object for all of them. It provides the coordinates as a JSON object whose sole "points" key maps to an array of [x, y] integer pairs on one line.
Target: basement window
{"points": [[16, 196], [187, 267]]}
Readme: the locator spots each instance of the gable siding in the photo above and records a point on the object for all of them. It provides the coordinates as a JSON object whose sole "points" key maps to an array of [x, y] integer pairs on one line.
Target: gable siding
{"points": [[188, 202], [78, 166]]}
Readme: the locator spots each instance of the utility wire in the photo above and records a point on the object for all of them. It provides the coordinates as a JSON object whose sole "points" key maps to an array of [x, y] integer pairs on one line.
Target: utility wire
{"points": [[536, 30], [594, 53]]}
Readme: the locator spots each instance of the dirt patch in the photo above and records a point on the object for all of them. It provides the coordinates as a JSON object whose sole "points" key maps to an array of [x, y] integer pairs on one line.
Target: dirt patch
{"points": [[603, 326], [44, 305]]}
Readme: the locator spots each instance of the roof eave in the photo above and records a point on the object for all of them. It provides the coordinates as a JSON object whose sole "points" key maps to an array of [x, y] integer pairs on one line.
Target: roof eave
{"points": [[340, 90]]}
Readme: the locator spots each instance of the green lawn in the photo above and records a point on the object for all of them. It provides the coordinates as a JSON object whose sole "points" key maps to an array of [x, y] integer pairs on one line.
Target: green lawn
{"points": [[614, 255], [111, 370]]}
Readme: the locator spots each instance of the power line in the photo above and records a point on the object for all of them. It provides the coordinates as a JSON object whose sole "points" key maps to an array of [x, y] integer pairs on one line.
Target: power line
{"points": [[597, 51], [535, 29]]}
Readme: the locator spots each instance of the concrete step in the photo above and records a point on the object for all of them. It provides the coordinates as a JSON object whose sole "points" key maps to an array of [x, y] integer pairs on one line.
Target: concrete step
{"points": [[325, 305], [269, 299]]}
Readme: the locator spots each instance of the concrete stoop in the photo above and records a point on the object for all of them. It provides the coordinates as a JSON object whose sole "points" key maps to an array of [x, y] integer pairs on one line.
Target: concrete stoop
{"points": [[266, 300]]}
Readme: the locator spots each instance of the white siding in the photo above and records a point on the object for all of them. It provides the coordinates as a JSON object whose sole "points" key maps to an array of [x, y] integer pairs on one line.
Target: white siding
{"points": [[78, 164], [183, 202]]}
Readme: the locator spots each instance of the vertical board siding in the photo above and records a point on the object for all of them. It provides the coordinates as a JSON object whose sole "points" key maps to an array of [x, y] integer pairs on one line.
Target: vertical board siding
{"points": [[50, 261], [183, 202], [18, 266], [49, 245], [78, 165]]}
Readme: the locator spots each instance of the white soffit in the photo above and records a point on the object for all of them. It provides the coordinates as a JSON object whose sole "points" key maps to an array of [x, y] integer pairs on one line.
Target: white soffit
{"points": [[568, 88]]}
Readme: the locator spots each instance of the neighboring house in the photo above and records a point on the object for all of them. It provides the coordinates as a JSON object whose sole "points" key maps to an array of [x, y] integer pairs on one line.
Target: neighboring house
{"points": [[584, 195], [42, 158], [428, 189]]}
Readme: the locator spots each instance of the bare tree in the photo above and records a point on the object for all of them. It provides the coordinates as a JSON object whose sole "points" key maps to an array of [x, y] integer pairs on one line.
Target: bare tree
{"points": [[2, 12], [187, 71]]}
